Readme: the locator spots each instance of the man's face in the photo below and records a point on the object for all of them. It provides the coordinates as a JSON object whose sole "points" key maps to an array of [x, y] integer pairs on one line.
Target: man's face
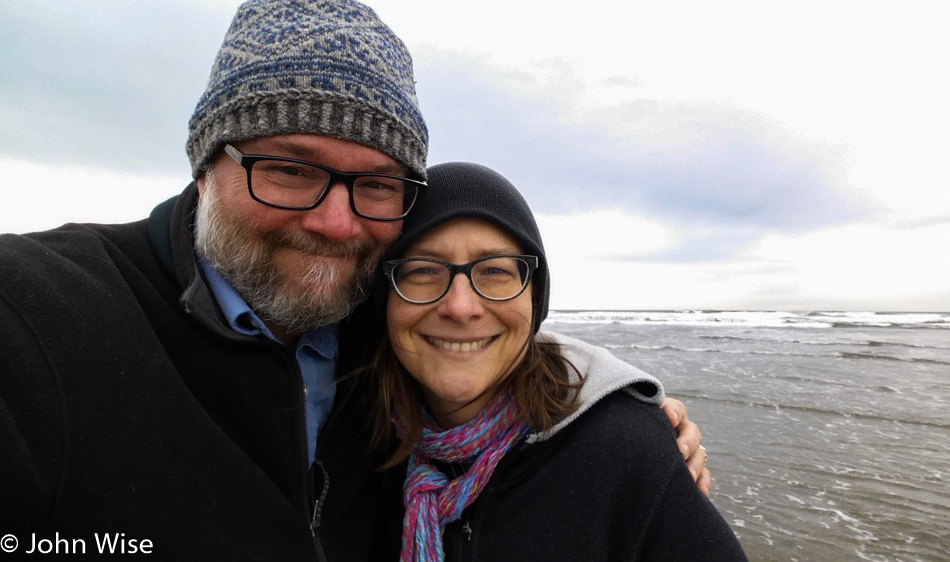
{"points": [[296, 269]]}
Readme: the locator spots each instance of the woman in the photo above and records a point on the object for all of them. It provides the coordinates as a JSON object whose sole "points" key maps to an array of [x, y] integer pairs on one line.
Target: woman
{"points": [[512, 455]]}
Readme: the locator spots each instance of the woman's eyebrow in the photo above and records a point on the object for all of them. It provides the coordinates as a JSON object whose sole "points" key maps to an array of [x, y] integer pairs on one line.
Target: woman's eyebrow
{"points": [[428, 252]]}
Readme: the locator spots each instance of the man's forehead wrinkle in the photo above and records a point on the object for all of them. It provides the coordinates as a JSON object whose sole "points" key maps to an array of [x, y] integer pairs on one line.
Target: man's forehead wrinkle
{"points": [[288, 146]]}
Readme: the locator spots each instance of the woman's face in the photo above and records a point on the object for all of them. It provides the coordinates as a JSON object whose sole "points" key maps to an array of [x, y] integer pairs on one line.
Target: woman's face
{"points": [[461, 345]]}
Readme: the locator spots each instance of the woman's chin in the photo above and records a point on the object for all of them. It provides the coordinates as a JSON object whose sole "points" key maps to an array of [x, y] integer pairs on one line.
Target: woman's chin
{"points": [[457, 407]]}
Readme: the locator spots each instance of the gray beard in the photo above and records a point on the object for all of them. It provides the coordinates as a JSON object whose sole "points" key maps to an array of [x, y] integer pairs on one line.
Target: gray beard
{"points": [[246, 262]]}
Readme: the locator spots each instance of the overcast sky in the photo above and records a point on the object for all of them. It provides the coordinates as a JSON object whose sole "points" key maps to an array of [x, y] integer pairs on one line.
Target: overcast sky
{"points": [[725, 155]]}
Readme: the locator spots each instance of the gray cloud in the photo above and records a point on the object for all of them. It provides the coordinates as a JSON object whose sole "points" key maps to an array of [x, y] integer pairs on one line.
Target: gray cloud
{"points": [[109, 84], [721, 170]]}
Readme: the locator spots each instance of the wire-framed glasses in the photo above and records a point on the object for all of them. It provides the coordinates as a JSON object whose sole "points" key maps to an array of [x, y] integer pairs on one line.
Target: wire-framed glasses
{"points": [[426, 280], [288, 183]]}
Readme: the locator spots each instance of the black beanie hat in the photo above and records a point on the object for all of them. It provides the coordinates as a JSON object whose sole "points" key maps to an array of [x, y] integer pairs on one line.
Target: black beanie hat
{"points": [[462, 189]]}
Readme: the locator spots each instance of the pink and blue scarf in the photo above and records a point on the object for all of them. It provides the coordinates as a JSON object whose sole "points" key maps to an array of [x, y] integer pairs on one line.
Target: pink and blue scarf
{"points": [[431, 499]]}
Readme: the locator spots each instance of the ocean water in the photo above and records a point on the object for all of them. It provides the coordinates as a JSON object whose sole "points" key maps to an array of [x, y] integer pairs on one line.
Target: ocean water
{"points": [[828, 432]]}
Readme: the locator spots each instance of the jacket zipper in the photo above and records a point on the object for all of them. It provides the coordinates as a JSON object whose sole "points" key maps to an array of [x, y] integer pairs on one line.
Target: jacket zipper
{"points": [[467, 531], [466, 528], [312, 518], [318, 503], [460, 536]]}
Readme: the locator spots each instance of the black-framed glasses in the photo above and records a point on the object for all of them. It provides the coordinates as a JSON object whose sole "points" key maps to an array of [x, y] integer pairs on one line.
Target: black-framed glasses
{"points": [[426, 280], [288, 183]]}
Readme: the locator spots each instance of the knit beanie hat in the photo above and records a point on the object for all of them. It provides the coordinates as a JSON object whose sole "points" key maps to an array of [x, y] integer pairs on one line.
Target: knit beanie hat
{"points": [[462, 189], [327, 67]]}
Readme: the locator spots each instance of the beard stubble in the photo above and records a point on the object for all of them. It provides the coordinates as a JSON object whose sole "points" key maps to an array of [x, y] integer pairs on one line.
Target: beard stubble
{"points": [[317, 292]]}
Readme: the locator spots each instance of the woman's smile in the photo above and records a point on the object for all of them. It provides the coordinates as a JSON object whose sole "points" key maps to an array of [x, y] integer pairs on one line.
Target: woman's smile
{"points": [[464, 346]]}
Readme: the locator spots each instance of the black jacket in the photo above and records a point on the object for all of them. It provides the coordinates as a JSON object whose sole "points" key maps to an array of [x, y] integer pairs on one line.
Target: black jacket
{"points": [[127, 405], [611, 486]]}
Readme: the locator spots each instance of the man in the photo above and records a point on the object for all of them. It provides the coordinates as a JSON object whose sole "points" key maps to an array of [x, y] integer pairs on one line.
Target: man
{"points": [[163, 382]]}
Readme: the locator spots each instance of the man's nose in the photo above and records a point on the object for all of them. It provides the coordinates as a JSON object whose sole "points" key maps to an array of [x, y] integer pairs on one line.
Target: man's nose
{"points": [[333, 217]]}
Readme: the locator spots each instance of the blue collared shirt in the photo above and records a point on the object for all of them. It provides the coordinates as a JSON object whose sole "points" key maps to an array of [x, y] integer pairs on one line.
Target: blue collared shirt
{"points": [[316, 352]]}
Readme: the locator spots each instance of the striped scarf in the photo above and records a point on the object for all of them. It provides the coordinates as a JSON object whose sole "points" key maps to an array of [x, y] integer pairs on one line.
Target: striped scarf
{"points": [[431, 500]]}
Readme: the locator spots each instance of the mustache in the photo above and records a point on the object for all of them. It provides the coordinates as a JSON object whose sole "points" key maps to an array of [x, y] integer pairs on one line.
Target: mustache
{"points": [[316, 245]]}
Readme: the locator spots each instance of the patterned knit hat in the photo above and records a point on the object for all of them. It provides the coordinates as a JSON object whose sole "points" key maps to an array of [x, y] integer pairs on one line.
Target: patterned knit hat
{"points": [[327, 67], [462, 189]]}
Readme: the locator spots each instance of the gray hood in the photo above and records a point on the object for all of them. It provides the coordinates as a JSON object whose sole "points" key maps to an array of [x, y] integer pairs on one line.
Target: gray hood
{"points": [[604, 374]]}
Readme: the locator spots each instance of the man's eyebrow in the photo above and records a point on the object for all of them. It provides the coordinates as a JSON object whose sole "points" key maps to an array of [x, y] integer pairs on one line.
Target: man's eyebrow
{"points": [[310, 154], [295, 150], [390, 169]]}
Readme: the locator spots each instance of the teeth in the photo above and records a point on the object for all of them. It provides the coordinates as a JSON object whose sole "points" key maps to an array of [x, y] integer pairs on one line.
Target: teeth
{"points": [[463, 347]]}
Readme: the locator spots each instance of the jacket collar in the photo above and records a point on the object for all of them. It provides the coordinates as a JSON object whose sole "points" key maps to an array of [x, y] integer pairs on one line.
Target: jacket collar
{"points": [[171, 233]]}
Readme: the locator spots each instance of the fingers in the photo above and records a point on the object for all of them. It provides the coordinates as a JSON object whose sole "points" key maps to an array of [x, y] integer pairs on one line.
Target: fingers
{"points": [[675, 410], [696, 463], [688, 440], [704, 482]]}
